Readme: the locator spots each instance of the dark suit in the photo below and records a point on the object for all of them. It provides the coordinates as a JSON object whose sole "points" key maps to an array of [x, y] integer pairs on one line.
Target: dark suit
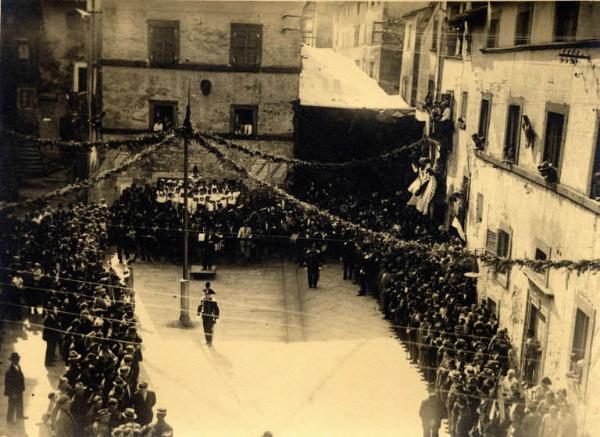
{"points": [[209, 309], [313, 265], [14, 386], [143, 407], [51, 336]]}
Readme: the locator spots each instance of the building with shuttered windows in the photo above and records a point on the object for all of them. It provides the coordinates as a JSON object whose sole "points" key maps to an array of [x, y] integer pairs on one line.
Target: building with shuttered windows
{"points": [[525, 80], [241, 64]]}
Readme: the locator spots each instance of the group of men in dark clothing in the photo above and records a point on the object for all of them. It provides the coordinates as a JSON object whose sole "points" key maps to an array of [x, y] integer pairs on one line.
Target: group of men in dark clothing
{"points": [[88, 318]]}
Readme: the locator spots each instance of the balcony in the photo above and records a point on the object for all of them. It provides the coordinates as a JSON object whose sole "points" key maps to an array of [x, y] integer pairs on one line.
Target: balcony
{"points": [[586, 43]]}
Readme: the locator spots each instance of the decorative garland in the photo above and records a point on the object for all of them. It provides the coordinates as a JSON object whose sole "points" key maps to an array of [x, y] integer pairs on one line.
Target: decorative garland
{"points": [[74, 146], [387, 156], [90, 182], [499, 263]]}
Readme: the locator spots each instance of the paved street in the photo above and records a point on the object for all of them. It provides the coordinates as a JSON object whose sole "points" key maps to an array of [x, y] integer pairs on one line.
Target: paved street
{"points": [[286, 358]]}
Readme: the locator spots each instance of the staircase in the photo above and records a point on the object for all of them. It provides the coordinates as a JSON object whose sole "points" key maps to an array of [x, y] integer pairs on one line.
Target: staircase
{"points": [[29, 160]]}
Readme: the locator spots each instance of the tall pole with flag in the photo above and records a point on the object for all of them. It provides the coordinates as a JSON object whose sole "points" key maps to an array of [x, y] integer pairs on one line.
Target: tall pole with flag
{"points": [[187, 131]]}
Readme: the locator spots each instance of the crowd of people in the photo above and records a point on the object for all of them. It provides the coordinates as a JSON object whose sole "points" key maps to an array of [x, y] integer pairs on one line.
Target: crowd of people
{"points": [[252, 228], [208, 195], [54, 259], [454, 338]]}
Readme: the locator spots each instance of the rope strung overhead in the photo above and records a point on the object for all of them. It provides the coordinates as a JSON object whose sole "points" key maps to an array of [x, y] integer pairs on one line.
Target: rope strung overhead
{"points": [[73, 146], [385, 157], [422, 249], [90, 182]]}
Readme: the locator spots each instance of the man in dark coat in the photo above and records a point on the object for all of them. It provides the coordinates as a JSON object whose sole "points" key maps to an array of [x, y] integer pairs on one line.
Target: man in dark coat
{"points": [[431, 413], [14, 386], [209, 310], [348, 259], [313, 265], [51, 335], [143, 402]]}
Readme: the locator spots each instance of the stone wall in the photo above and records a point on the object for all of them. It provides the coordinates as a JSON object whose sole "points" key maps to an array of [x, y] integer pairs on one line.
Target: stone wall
{"points": [[169, 160], [204, 45]]}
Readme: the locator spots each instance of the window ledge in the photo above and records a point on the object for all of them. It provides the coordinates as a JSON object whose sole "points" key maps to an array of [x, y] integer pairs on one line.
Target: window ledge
{"points": [[543, 46], [456, 57], [538, 283], [562, 190]]}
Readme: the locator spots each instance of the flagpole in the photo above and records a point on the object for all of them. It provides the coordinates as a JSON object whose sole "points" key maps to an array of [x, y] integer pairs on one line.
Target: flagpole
{"points": [[184, 316]]}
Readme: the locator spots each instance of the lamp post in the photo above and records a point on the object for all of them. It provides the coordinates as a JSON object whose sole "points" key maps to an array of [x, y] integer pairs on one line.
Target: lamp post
{"points": [[186, 133]]}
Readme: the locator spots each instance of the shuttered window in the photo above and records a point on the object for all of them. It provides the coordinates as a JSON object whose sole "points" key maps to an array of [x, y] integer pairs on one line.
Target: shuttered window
{"points": [[246, 44], [595, 182], [163, 42], [491, 242], [498, 243]]}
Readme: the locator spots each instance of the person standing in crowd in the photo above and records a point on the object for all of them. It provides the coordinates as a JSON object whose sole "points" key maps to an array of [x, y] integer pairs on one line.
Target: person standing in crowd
{"points": [[244, 236], [209, 251], [100, 427], [14, 386], [431, 413], [209, 310], [539, 392], [550, 426], [348, 258], [533, 352], [160, 428], [65, 424], [51, 335], [313, 265], [143, 402]]}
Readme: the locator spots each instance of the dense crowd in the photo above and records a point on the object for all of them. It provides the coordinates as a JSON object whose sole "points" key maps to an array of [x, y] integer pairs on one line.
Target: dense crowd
{"points": [[55, 260], [454, 338], [252, 227]]}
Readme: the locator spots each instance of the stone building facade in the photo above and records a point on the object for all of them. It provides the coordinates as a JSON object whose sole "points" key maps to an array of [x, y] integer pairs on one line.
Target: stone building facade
{"points": [[371, 33], [530, 91], [241, 65]]}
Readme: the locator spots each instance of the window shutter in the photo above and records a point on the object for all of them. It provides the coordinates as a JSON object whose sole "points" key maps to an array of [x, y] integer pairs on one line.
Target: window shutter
{"points": [[491, 242]]}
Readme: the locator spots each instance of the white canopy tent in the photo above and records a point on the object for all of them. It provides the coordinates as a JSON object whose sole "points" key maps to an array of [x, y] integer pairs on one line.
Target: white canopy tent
{"points": [[331, 80]]}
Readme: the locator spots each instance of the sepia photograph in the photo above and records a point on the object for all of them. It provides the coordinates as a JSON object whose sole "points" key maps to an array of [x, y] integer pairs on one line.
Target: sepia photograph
{"points": [[299, 218]]}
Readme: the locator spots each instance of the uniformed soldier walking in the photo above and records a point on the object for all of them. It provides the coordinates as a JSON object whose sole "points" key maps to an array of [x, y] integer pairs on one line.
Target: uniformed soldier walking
{"points": [[209, 310], [313, 265]]}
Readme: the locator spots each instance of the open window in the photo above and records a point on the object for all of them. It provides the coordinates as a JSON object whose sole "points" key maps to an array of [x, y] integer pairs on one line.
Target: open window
{"points": [[513, 133], [484, 117], [163, 114], [584, 316], [555, 135], [244, 120], [565, 21]]}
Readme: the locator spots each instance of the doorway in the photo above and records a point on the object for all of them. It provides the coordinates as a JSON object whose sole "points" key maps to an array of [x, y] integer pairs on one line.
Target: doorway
{"points": [[534, 347]]}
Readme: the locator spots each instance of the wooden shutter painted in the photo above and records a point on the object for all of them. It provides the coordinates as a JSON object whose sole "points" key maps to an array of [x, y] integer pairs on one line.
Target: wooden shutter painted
{"points": [[491, 242]]}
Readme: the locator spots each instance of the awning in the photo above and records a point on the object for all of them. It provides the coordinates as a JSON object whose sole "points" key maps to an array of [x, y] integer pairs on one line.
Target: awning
{"points": [[331, 80]]}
